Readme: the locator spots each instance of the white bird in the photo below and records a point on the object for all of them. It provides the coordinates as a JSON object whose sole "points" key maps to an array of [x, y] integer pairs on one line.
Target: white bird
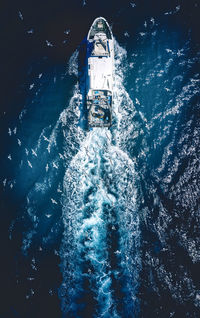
{"points": [[30, 165], [20, 15], [34, 153], [45, 138], [30, 31], [55, 166], [49, 43], [61, 156], [67, 32], [117, 252], [54, 201]]}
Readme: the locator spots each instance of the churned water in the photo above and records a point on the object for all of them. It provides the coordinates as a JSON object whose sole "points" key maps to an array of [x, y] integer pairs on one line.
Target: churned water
{"points": [[99, 210], [105, 223]]}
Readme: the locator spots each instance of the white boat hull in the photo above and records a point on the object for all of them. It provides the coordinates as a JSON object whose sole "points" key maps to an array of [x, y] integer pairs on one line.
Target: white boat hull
{"points": [[100, 61]]}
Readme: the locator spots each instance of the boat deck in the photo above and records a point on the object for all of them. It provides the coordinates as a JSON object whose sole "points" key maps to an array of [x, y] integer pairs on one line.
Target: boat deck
{"points": [[99, 108]]}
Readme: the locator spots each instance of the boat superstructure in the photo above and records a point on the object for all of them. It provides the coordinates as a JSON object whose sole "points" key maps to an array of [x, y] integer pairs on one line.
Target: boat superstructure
{"points": [[100, 60]]}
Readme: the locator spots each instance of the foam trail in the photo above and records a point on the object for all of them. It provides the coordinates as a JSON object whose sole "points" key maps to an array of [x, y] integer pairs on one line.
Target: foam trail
{"points": [[100, 244]]}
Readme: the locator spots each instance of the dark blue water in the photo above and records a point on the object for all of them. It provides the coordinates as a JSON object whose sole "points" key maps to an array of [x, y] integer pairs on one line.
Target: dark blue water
{"points": [[100, 223]]}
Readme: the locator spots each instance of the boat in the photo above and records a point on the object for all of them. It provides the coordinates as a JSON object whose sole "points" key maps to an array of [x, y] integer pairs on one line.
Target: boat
{"points": [[99, 80]]}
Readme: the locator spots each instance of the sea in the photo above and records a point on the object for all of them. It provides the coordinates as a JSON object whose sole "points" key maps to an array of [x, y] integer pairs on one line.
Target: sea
{"points": [[100, 223]]}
